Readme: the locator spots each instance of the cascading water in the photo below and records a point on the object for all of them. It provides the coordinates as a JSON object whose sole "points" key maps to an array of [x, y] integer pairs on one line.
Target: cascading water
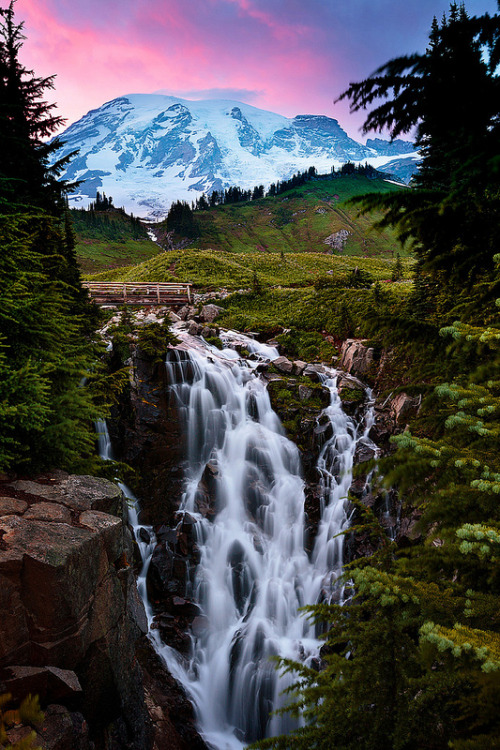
{"points": [[144, 535], [254, 573]]}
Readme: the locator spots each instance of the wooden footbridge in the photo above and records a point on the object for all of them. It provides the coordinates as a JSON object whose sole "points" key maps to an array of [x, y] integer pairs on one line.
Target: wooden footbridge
{"points": [[142, 295]]}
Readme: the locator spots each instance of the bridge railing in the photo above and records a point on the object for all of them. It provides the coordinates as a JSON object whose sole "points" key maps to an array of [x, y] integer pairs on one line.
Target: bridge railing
{"points": [[129, 293]]}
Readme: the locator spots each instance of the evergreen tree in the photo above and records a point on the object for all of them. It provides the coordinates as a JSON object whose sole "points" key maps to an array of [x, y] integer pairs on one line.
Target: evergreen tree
{"points": [[451, 95], [27, 176], [45, 416]]}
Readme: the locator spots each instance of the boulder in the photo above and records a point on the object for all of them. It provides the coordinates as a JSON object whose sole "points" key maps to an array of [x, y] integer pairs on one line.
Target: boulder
{"points": [[299, 367], [61, 685], [305, 393], [403, 405], [313, 372], [356, 358], [194, 329], [63, 730], [10, 506], [210, 312], [78, 493], [186, 312], [49, 512], [282, 364]]}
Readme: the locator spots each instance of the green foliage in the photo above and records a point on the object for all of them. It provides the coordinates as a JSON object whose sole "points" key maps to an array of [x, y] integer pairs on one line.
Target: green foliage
{"points": [[180, 219], [28, 713], [153, 340], [208, 269], [299, 220], [397, 272], [215, 341], [27, 181], [46, 411], [412, 660], [451, 94], [309, 346], [114, 226]]}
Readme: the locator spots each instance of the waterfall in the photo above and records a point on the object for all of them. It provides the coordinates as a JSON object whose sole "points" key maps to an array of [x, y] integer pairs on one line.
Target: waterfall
{"points": [[144, 535], [254, 572]]}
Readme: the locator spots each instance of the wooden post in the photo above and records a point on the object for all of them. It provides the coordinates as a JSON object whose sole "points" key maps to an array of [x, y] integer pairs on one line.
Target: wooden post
{"points": [[124, 292], [189, 293], [158, 293]]}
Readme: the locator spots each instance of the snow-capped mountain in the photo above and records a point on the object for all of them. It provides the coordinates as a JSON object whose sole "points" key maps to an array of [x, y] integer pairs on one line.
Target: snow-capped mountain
{"points": [[147, 150]]}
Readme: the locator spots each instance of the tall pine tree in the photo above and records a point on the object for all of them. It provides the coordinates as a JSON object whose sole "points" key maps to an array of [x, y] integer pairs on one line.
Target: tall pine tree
{"points": [[45, 416]]}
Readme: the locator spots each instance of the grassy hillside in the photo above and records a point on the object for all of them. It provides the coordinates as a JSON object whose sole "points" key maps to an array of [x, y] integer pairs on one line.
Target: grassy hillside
{"points": [[299, 221], [210, 269], [109, 239], [281, 239]]}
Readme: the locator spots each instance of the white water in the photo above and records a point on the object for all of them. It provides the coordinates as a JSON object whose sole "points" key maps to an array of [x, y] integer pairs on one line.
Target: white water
{"points": [[254, 573]]}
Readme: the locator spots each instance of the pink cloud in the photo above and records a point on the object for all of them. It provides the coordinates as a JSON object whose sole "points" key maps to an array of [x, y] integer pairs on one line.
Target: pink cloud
{"points": [[282, 31], [163, 44]]}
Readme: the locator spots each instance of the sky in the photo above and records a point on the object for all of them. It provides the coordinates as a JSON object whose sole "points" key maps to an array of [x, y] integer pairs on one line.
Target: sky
{"points": [[288, 56]]}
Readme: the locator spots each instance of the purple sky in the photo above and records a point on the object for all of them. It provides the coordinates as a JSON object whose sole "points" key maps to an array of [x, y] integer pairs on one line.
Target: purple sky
{"points": [[288, 56]]}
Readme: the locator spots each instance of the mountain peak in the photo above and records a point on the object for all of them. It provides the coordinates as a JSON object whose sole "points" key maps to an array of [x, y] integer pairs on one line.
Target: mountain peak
{"points": [[147, 150]]}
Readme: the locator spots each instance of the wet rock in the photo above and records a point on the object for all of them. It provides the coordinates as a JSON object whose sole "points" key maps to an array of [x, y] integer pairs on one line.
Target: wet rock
{"points": [[195, 329], [166, 534], [144, 535], [160, 571], [357, 487], [282, 364], [313, 372], [173, 632], [206, 491], [199, 625], [364, 453], [186, 312], [323, 429], [147, 433], [172, 713], [184, 607]]}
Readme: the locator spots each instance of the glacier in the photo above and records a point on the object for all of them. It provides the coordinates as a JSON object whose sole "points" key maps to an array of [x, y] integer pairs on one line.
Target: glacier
{"points": [[147, 150]]}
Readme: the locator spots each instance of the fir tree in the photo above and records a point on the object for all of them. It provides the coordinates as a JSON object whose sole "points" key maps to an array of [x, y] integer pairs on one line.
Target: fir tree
{"points": [[45, 416], [451, 95], [27, 177]]}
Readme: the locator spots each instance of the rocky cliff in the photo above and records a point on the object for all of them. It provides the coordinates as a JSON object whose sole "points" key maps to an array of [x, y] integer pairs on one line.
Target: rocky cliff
{"points": [[73, 626], [71, 616]]}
